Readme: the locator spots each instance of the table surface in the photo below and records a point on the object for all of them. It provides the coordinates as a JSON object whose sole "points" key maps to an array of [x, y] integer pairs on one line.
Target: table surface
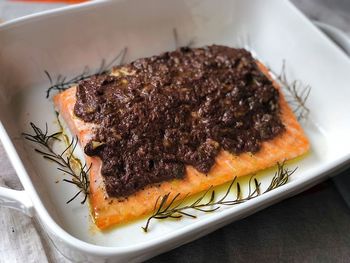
{"points": [[310, 227]]}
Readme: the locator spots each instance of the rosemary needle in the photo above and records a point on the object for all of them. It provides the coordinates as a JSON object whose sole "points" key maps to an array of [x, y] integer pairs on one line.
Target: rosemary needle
{"points": [[297, 94]]}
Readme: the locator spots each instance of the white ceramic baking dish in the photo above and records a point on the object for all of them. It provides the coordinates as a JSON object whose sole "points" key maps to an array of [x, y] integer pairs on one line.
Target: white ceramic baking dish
{"points": [[66, 40]]}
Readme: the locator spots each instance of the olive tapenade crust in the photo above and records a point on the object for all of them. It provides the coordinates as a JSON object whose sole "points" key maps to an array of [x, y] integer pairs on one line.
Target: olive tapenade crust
{"points": [[158, 114], [289, 141]]}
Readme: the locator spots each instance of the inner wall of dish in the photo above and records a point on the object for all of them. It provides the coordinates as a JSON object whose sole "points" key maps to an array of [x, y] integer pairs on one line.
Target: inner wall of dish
{"points": [[65, 43]]}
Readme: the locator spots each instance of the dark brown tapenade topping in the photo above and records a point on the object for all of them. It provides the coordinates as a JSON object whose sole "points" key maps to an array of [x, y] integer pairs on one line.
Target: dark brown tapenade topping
{"points": [[161, 113]]}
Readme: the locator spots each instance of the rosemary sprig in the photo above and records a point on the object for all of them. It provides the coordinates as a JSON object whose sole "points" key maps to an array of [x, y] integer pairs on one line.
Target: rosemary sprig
{"points": [[62, 83], [64, 160], [165, 207], [297, 94]]}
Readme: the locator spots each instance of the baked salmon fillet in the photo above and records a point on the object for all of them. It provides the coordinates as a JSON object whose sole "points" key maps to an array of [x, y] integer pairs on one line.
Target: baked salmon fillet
{"points": [[108, 211]]}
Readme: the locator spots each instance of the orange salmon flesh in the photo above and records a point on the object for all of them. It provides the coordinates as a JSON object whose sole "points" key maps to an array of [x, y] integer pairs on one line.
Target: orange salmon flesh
{"points": [[108, 211]]}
